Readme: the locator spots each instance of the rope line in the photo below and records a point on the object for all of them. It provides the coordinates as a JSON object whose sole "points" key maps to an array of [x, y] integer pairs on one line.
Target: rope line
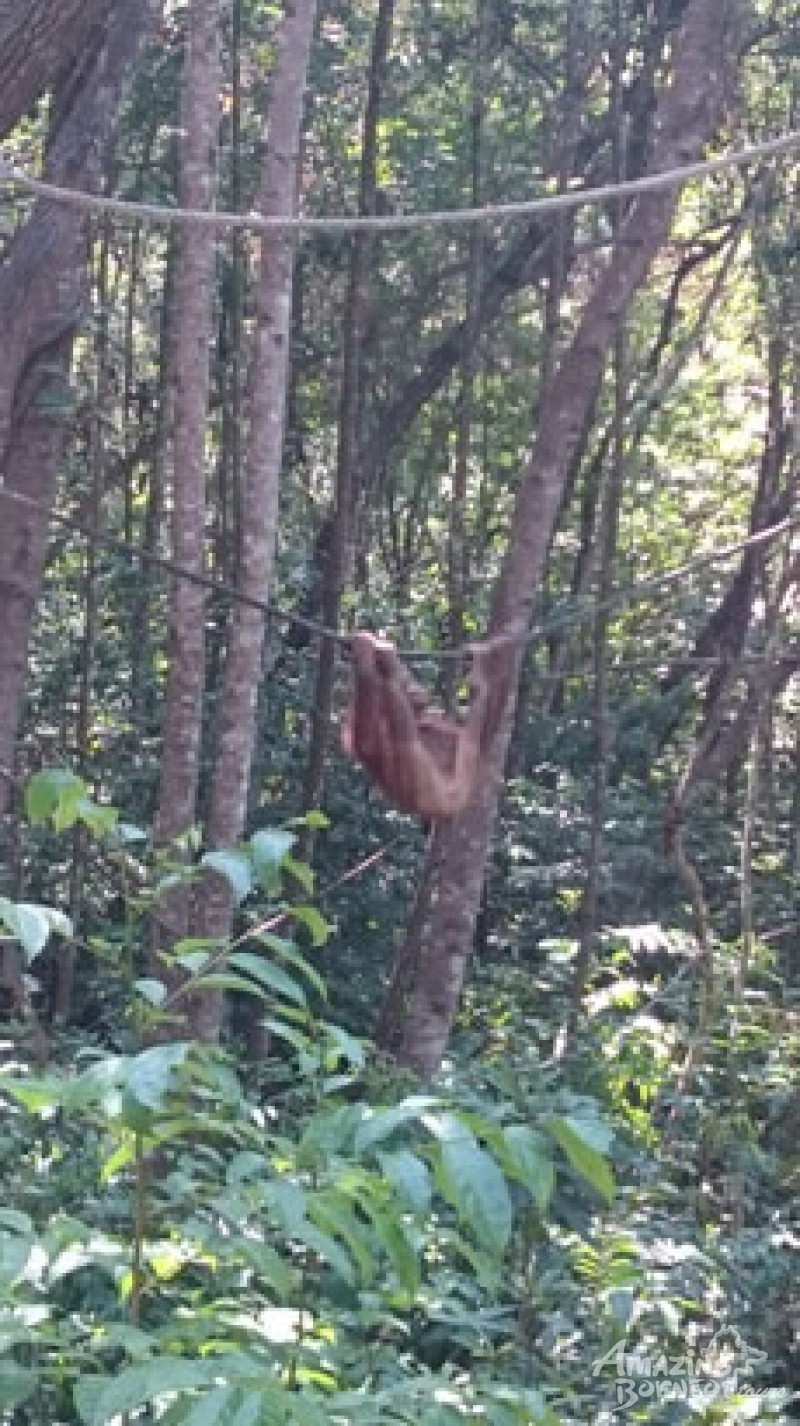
{"points": [[12, 176], [643, 587], [583, 610]]}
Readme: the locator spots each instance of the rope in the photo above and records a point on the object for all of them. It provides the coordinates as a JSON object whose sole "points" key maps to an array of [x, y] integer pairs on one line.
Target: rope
{"points": [[12, 176], [643, 587], [584, 610], [205, 581]]}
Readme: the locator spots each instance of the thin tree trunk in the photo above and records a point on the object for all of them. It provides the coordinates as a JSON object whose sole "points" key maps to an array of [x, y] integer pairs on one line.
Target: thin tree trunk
{"points": [[746, 862], [578, 54], [350, 408], [267, 402], [227, 533], [686, 114], [458, 564], [65, 960], [129, 369], [609, 525], [238, 282], [141, 677], [189, 356]]}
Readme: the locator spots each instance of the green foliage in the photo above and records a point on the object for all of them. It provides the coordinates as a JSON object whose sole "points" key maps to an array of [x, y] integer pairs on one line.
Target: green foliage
{"points": [[219, 1251], [248, 1252], [318, 1242], [32, 926]]}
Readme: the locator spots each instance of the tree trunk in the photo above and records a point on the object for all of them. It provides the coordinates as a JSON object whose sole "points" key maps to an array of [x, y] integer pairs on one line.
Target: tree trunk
{"points": [[39, 41], [189, 359], [267, 402], [42, 289], [142, 677], [65, 960], [350, 408], [458, 554], [609, 526], [685, 117]]}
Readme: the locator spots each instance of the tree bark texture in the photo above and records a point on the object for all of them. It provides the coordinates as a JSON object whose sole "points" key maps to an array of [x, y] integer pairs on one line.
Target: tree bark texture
{"points": [[267, 403], [189, 359], [42, 290], [39, 41], [686, 113], [350, 408]]}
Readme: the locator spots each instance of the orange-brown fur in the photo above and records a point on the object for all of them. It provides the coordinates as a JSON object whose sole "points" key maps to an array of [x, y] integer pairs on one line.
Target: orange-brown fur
{"points": [[423, 762]]}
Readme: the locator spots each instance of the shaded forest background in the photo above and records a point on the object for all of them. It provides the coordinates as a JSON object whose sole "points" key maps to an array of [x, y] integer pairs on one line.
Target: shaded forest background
{"points": [[218, 441]]}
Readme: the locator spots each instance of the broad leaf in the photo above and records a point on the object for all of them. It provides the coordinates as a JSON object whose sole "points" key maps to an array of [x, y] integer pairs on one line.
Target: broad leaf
{"points": [[268, 849], [234, 867], [409, 1177], [32, 925], [17, 1384], [578, 1140], [523, 1154], [380, 1124], [270, 976], [48, 789], [150, 1074], [100, 1399], [470, 1180]]}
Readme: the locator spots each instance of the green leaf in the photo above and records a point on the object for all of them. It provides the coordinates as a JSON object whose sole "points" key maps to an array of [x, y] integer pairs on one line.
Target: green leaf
{"points": [[339, 1045], [225, 980], [27, 923], [471, 1181], [234, 867], [100, 820], [268, 849], [15, 1221], [128, 834], [301, 1411], [327, 1248], [301, 872], [14, 1254], [46, 790], [298, 1039], [287, 951], [38, 1093], [152, 990], [225, 1406], [328, 1132], [270, 976], [102, 1083], [379, 1124], [334, 1214], [287, 1201], [314, 922], [578, 1138], [409, 1177], [194, 952], [17, 1384], [398, 1249], [314, 819], [524, 1157], [32, 925], [100, 1399], [122, 1157], [269, 1266], [150, 1075]]}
